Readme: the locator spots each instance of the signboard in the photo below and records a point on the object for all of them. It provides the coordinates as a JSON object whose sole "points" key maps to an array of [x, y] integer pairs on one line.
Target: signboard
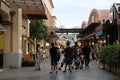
{"points": [[1, 41], [99, 33]]}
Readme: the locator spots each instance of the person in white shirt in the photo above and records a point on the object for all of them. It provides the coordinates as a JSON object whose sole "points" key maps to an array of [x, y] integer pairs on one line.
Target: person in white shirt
{"points": [[39, 58]]}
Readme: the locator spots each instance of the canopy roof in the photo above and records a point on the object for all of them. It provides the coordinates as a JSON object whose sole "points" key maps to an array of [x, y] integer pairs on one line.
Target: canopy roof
{"points": [[32, 8], [27, 4]]}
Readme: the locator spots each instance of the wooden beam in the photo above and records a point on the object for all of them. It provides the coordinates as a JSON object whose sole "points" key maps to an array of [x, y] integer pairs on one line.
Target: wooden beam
{"points": [[30, 12], [35, 14]]}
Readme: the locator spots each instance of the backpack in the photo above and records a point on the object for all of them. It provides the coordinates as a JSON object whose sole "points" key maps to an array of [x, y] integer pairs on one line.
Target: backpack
{"points": [[57, 55]]}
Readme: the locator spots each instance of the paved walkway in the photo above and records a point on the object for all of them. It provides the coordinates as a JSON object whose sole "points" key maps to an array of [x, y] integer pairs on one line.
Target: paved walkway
{"points": [[28, 73]]}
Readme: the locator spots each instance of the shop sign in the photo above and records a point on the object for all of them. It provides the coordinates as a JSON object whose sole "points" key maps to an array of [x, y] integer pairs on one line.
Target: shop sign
{"points": [[1, 41], [100, 32]]}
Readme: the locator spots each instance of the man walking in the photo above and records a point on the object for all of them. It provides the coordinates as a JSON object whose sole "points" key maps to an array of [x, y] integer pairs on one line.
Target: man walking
{"points": [[68, 57], [53, 52], [86, 52]]}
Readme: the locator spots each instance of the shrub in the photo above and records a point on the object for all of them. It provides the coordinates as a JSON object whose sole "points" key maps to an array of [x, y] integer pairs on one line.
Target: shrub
{"points": [[110, 55]]}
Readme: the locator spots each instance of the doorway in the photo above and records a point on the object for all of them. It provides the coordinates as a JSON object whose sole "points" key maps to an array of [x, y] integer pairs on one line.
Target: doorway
{"points": [[1, 44], [1, 58]]}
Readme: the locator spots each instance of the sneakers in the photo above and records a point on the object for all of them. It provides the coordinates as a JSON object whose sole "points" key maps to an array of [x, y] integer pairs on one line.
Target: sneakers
{"points": [[59, 68], [86, 66], [56, 72], [38, 69], [52, 72], [71, 72], [64, 71], [81, 67]]}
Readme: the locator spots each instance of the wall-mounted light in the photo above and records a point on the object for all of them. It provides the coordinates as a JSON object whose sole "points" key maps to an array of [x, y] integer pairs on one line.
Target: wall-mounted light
{"points": [[79, 44], [108, 36], [93, 43]]}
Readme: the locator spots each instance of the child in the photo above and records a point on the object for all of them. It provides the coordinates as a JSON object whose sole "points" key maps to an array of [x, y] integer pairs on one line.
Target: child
{"points": [[77, 63]]}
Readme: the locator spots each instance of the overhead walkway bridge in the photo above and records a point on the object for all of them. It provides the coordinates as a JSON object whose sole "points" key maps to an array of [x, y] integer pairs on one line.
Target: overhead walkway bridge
{"points": [[71, 30]]}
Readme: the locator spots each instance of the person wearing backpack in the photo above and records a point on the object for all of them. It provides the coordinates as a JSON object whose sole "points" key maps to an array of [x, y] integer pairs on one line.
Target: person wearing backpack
{"points": [[54, 59]]}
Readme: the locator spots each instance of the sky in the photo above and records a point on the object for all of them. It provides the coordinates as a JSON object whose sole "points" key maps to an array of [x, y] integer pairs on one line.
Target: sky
{"points": [[71, 13]]}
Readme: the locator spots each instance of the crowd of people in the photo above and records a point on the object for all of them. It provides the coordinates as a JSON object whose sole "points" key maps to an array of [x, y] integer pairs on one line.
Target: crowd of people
{"points": [[70, 57]]}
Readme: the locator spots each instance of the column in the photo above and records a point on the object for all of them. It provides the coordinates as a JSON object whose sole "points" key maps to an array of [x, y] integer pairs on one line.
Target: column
{"points": [[13, 57]]}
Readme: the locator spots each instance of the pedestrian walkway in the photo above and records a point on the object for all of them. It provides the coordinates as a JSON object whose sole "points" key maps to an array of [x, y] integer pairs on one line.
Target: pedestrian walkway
{"points": [[3, 68], [29, 73]]}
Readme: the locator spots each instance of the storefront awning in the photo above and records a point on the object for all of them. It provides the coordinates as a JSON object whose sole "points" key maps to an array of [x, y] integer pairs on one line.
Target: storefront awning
{"points": [[35, 14], [29, 7], [91, 26], [90, 36]]}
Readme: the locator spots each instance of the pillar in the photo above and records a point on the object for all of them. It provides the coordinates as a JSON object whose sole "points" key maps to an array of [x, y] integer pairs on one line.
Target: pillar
{"points": [[13, 41]]}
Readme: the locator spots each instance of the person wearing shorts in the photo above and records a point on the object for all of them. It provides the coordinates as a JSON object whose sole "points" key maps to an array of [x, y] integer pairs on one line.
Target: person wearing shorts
{"points": [[53, 51]]}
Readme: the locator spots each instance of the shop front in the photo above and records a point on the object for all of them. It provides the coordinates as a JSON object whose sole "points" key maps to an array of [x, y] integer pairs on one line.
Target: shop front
{"points": [[1, 49], [3, 23], [1, 43], [105, 34], [13, 18]]}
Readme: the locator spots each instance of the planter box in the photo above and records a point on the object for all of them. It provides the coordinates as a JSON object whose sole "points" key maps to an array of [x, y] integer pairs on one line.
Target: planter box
{"points": [[113, 70]]}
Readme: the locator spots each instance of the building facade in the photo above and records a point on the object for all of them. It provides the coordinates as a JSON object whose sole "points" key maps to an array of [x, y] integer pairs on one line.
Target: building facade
{"points": [[115, 20], [103, 27], [93, 30], [15, 17]]}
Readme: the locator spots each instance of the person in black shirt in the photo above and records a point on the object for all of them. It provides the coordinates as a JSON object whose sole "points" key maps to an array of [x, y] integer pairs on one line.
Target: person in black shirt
{"points": [[68, 57], [86, 52], [53, 52]]}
